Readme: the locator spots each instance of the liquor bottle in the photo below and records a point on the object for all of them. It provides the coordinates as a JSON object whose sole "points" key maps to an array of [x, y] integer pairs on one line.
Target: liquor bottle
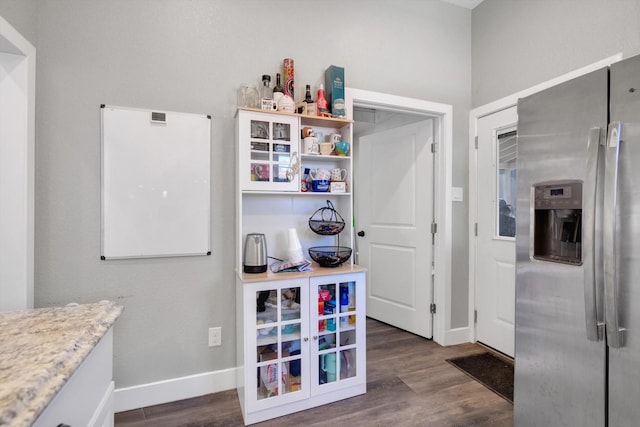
{"points": [[266, 93], [322, 104], [311, 106]]}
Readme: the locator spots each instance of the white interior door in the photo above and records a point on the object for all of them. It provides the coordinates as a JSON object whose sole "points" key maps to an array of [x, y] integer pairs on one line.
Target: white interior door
{"points": [[495, 243], [395, 205]]}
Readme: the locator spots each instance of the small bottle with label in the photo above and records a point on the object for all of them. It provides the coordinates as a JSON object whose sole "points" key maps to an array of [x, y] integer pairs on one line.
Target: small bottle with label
{"points": [[311, 106], [344, 304], [323, 105], [266, 93], [304, 184]]}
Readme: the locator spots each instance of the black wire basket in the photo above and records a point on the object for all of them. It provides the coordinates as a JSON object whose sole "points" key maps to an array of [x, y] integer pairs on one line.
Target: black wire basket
{"points": [[330, 256], [326, 221]]}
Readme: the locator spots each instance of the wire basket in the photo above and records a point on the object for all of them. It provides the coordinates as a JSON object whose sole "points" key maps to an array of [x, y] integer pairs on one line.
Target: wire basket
{"points": [[326, 221], [330, 256]]}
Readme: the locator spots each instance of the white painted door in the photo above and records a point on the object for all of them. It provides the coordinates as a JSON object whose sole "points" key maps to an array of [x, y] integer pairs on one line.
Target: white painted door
{"points": [[495, 243], [395, 205]]}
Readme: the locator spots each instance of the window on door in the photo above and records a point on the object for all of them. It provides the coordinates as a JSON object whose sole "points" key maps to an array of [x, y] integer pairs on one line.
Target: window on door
{"points": [[506, 179]]}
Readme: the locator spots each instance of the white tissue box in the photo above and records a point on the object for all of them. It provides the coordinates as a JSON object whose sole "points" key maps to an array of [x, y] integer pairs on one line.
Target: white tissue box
{"points": [[338, 187]]}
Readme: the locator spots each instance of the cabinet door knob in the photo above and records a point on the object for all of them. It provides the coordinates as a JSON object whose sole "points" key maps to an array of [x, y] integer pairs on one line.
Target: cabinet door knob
{"points": [[305, 339], [315, 337], [361, 233]]}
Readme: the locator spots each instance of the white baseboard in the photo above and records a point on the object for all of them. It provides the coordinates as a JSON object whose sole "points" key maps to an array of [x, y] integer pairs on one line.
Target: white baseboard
{"points": [[457, 336], [159, 392]]}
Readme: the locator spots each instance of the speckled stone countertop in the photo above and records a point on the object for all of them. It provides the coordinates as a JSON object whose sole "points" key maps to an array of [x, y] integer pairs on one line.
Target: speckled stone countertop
{"points": [[39, 351]]}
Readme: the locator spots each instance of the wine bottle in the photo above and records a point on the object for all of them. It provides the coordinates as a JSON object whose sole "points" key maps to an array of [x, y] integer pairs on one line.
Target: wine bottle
{"points": [[278, 87], [278, 94], [311, 106], [322, 104]]}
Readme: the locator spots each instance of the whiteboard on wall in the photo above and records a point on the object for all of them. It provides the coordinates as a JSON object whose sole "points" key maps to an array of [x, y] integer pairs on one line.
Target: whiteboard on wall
{"points": [[156, 183]]}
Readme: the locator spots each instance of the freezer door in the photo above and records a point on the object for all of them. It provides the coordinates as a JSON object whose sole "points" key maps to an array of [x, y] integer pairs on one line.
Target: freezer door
{"points": [[624, 362], [559, 368]]}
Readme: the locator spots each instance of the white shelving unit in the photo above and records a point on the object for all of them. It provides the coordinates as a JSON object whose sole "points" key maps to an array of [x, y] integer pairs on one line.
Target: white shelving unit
{"points": [[294, 353]]}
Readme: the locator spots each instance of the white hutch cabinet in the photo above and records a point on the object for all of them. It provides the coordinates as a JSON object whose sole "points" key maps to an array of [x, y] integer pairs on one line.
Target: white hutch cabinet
{"points": [[301, 336], [269, 167], [269, 145]]}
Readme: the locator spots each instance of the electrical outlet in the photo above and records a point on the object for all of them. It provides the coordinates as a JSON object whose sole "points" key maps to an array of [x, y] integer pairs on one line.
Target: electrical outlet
{"points": [[215, 336]]}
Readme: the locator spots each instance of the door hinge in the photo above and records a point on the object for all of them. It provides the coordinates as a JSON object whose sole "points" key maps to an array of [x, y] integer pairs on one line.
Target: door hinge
{"points": [[434, 228], [434, 147], [475, 229], [432, 307], [476, 142], [475, 316]]}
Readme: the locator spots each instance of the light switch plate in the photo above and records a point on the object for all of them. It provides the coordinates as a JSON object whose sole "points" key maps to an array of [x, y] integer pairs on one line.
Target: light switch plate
{"points": [[215, 336], [457, 194]]}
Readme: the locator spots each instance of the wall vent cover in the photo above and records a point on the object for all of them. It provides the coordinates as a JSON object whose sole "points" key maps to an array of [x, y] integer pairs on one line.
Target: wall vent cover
{"points": [[158, 117]]}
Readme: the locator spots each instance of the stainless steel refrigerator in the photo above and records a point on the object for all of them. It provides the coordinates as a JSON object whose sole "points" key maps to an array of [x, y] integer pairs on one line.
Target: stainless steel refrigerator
{"points": [[577, 349]]}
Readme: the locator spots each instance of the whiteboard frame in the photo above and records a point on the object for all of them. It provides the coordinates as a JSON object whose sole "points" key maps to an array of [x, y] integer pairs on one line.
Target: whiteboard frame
{"points": [[130, 227]]}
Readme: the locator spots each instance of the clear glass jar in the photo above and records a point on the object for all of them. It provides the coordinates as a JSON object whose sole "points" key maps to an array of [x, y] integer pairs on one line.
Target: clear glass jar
{"points": [[248, 96]]}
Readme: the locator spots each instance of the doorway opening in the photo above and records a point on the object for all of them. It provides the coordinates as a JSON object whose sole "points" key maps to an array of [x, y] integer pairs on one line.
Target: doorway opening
{"points": [[402, 178]]}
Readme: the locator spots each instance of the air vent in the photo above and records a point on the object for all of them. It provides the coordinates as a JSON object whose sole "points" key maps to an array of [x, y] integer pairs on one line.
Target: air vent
{"points": [[158, 117]]}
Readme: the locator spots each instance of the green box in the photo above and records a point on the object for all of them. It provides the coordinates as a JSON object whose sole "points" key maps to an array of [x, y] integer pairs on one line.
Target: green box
{"points": [[334, 82]]}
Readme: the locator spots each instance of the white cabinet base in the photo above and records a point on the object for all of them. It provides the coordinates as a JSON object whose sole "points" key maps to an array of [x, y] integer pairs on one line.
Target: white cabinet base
{"points": [[320, 328], [312, 402], [87, 397]]}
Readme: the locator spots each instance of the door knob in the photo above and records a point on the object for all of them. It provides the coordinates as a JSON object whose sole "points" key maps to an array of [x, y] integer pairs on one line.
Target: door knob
{"points": [[361, 233]]}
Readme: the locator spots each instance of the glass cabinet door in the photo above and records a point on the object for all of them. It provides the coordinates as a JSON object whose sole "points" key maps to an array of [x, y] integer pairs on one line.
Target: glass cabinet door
{"points": [[279, 334], [269, 150], [334, 347]]}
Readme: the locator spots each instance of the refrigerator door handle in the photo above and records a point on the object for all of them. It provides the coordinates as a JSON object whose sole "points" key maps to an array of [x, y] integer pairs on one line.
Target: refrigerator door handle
{"points": [[611, 235], [590, 244]]}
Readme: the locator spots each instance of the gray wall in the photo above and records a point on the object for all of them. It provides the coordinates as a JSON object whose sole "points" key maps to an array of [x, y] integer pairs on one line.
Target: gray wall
{"points": [[21, 14], [518, 44], [191, 56]]}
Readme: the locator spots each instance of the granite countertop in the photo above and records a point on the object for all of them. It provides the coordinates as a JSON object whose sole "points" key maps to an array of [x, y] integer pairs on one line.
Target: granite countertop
{"points": [[39, 351]]}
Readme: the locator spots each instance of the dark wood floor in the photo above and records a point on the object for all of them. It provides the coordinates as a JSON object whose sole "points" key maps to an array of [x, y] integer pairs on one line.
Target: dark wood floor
{"points": [[409, 383]]}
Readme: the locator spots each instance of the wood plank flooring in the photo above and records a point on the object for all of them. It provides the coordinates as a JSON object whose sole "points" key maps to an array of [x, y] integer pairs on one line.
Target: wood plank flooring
{"points": [[409, 383]]}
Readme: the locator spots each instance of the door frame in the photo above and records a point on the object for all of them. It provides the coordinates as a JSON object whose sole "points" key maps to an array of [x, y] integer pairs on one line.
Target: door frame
{"points": [[17, 168], [474, 116], [442, 115]]}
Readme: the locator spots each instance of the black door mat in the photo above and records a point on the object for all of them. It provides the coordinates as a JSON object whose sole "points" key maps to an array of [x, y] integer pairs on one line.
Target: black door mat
{"points": [[491, 371]]}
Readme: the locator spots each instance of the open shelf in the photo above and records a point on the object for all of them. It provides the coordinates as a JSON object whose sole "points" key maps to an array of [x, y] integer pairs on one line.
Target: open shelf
{"points": [[329, 122]]}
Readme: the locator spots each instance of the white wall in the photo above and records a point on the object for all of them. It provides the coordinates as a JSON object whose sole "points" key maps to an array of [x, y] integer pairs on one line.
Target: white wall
{"points": [[191, 55], [519, 44]]}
